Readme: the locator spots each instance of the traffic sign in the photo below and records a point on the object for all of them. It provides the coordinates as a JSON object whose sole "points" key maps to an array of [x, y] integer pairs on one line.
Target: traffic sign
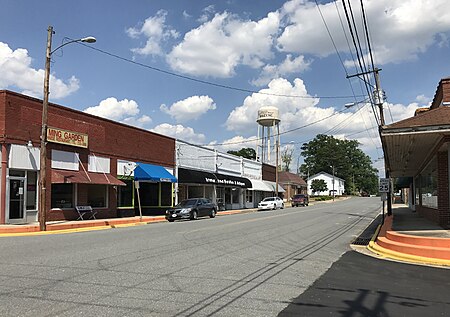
{"points": [[384, 185]]}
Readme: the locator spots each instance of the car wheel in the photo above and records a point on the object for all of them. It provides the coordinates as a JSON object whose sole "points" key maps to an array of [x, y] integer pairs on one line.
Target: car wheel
{"points": [[213, 213], [282, 206], [194, 215], [274, 206], [170, 220]]}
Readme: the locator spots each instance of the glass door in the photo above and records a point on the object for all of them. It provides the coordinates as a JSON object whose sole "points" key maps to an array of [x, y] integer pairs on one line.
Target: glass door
{"points": [[17, 200]]}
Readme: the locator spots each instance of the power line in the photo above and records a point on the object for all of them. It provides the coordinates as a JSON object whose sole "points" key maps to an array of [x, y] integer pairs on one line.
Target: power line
{"points": [[209, 82]]}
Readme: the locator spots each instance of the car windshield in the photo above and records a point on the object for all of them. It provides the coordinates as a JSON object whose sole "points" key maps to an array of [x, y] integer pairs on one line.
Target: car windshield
{"points": [[299, 196], [269, 199], [187, 203]]}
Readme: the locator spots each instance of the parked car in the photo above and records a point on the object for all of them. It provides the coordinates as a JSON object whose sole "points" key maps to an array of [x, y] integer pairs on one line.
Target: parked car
{"points": [[192, 208], [300, 199], [271, 203]]}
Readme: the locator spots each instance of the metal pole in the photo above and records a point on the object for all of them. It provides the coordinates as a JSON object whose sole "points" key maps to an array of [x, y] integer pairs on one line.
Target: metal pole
{"points": [[277, 153], [333, 183], [42, 211]]}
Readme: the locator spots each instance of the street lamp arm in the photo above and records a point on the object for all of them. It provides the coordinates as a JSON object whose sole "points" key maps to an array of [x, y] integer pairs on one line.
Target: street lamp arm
{"points": [[89, 39]]}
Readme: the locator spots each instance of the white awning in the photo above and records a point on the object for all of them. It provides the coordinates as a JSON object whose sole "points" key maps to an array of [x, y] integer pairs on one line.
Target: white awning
{"points": [[272, 186], [259, 185]]}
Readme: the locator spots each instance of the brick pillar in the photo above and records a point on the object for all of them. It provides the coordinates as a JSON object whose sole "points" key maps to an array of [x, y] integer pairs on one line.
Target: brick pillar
{"points": [[443, 189]]}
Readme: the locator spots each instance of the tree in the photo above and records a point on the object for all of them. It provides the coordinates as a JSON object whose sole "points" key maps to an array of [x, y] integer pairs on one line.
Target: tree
{"points": [[326, 153], [318, 185], [286, 158], [248, 153]]}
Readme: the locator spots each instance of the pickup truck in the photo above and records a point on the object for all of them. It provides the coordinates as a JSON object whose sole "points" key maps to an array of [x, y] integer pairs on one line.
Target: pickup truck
{"points": [[300, 199]]}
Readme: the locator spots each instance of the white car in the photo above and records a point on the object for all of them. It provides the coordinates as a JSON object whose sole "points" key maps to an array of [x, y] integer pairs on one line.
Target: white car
{"points": [[271, 203]]}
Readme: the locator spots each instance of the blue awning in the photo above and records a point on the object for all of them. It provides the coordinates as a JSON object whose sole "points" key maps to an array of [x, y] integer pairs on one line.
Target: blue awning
{"points": [[152, 173]]}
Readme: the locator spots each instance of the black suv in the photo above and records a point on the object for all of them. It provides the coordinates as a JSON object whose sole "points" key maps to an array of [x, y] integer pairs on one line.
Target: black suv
{"points": [[300, 199]]}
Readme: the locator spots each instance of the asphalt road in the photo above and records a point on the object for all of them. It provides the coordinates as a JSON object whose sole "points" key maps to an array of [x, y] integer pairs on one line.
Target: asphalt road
{"points": [[359, 285], [253, 264]]}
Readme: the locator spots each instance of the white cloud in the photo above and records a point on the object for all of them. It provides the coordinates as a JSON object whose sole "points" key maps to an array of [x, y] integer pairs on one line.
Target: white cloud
{"points": [[207, 12], [218, 46], [16, 71], [397, 32], [397, 112], [125, 111], [235, 143], [423, 100], [155, 31], [289, 66], [292, 110], [189, 108], [180, 132]]}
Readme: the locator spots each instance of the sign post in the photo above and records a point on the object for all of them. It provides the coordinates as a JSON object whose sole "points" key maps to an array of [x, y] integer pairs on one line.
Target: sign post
{"points": [[384, 189], [136, 185]]}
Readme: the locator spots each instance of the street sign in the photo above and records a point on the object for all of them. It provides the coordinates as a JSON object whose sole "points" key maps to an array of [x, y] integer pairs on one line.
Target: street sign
{"points": [[384, 185]]}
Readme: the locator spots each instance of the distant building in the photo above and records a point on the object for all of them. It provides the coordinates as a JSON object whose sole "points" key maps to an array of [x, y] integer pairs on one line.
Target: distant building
{"points": [[292, 184], [333, 183]]}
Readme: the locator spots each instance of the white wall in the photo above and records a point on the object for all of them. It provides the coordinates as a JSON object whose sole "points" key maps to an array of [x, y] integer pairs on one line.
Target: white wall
{"points": [[339, 185]]}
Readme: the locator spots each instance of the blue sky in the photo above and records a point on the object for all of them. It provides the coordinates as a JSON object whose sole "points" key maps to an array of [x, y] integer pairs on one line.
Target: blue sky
{"points": [[274, 47]]}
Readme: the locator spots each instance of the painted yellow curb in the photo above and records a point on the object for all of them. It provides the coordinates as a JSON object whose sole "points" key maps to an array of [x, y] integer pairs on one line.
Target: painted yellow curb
{"points": [[398, 256], [41, 233]]}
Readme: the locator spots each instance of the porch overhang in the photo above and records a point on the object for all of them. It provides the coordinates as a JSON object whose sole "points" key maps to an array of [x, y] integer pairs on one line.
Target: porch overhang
{"points": [[407, 150]]}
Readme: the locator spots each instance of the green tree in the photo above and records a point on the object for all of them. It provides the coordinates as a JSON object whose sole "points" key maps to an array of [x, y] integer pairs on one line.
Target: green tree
{"points": [[344, 157], [248, 153], [318, 185]]}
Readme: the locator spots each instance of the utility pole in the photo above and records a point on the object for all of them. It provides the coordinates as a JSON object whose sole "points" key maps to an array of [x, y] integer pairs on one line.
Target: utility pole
{"points": [[42, 211], [379, 100]]}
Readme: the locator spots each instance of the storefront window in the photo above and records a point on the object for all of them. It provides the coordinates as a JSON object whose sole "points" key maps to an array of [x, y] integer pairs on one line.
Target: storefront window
{"points": [[428, 185], [249, 196], [16, 173], [62, 196], [417, 191], [235, 194], [149, 194], [209, 192], [166, 194], [195, 191], [97, 195], [31, 190], [125, 194]]}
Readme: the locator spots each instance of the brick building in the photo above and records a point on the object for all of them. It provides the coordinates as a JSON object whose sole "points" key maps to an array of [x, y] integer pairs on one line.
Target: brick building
{"points": [[90, 161], [417, 149], [292, 184]]}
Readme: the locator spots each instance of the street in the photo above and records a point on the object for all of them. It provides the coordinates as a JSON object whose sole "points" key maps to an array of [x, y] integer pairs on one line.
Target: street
{"points": [[250, 264]]}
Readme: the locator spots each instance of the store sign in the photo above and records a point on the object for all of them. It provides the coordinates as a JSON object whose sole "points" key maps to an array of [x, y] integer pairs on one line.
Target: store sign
{"points": [[67, 137], [224, 181]]}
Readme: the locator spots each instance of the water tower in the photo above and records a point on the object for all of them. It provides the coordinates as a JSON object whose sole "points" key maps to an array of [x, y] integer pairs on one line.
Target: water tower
{"points": [[268, 132]]}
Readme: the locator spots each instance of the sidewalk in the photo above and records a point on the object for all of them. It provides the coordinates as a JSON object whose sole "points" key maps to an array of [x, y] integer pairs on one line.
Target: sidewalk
{"points": [[406, 236], [94, 224]]}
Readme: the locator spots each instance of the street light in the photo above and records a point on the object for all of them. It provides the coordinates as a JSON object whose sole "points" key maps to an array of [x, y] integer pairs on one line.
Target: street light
{"points": [[42, 211]]}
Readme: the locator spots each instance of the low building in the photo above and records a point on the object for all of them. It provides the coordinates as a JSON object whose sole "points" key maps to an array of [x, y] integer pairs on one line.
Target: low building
{"points": [[230, 181], [335, 185], [292, 184], [417, 151], [90, 161]]}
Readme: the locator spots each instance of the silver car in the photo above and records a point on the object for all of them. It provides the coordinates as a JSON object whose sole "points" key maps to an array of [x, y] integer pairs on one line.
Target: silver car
{"points": [[271, 203]]}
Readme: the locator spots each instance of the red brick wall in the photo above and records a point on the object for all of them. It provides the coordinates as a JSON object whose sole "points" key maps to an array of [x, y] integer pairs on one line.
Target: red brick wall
{"points": [[443, 189], [106, 137]]}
